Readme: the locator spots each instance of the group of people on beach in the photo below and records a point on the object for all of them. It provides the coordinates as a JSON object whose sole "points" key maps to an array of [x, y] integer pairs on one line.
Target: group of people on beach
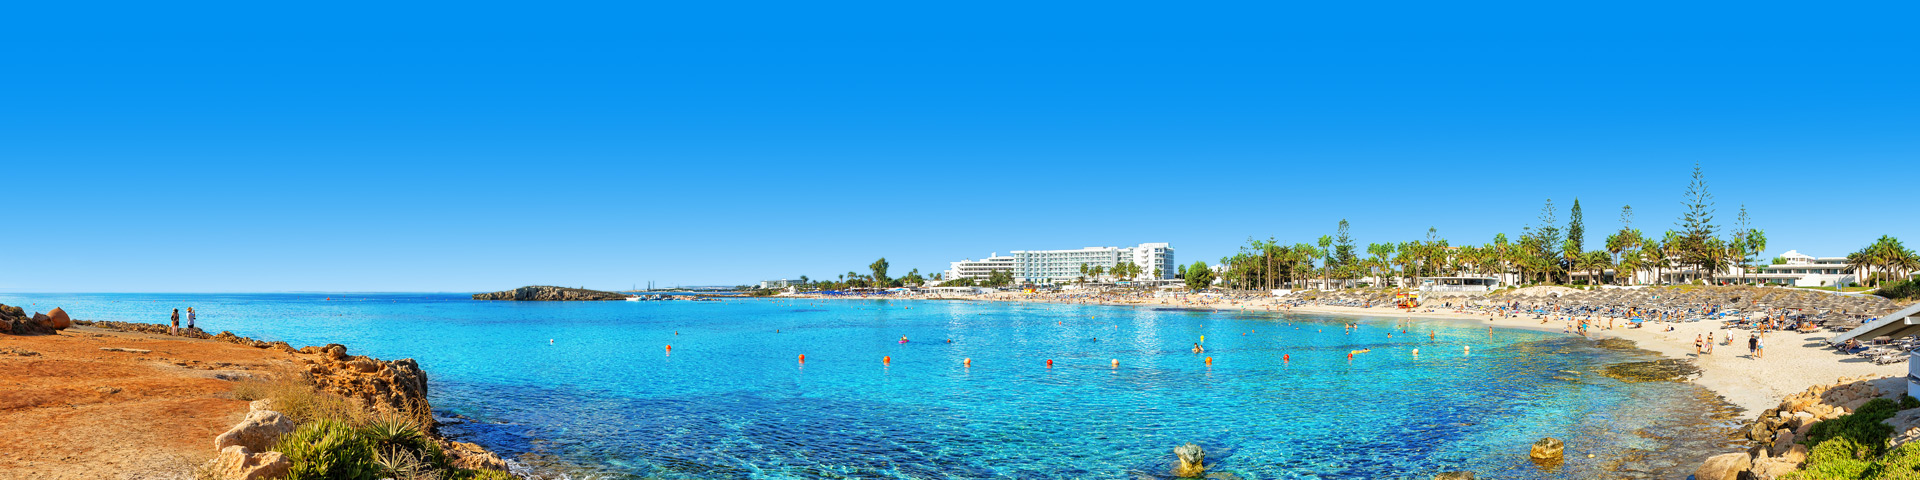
{"points": [[174, 329], [1756, 343]]}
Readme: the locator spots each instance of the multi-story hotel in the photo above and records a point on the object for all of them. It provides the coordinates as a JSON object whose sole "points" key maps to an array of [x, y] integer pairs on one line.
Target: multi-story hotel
{"points": [[1804, 270], [1063, 266], [970, 268]]}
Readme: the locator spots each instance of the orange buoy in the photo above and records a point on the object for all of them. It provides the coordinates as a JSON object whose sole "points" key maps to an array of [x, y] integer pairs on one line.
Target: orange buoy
{"points": [[1286, 358], [1349, 356], [967, 362], [887, 360], [1209, 361], [669, 349], [803, 359], [1049, 363], [1116, 363]]}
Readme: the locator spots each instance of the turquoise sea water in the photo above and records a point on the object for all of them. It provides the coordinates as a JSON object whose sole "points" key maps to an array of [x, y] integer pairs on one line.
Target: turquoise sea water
{"points": [[733, 401]]}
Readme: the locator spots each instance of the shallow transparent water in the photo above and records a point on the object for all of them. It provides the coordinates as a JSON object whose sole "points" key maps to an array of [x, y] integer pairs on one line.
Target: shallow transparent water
{"points": [[732, 401]]}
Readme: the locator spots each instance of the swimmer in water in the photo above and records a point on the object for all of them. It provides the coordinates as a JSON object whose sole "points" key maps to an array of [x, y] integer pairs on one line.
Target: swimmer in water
{"points": [[903, 339], [1197, 348]]}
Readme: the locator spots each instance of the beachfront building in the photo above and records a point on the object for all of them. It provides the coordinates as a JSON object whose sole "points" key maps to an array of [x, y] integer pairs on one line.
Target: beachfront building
{"points": [[979, 269], [1458, 284], [1797, 269], [1063, 266], [1802, 270], [781, 283]]}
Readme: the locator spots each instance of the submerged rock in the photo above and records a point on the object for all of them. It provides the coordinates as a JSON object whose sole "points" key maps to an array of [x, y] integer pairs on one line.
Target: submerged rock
{"points": [[1547, 449], [1192, 461], [1666, 369], [1616, 344], [1454, 476]]}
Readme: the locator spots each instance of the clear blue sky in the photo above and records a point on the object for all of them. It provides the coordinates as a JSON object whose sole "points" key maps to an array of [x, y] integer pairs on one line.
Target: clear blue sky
{"points": [[401, 146]]}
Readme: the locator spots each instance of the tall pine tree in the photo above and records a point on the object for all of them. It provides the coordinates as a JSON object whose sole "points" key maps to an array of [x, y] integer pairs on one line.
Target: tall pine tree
{"points": [[1576, 228], [1697, 228]]}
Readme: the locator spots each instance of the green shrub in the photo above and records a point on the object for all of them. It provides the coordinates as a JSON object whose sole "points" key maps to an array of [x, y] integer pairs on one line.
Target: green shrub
{"points": [[1900, 464], [1898, 290], [397, 440], [328, 450], [1839, 449], [1907, 402], [1862, 428], [1835, 470]]}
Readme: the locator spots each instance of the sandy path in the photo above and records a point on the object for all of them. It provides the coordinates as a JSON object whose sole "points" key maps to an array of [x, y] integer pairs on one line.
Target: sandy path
{"points": [[74, 411]]}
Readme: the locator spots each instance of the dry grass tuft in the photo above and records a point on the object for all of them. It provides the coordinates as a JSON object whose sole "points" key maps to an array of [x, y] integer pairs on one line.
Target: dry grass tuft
{"points": [[293, 396]]}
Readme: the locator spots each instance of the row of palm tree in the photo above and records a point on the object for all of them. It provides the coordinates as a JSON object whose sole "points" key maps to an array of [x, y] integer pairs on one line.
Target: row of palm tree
{"points": [[1125, 270], [1627, 255], [1882, 260]]}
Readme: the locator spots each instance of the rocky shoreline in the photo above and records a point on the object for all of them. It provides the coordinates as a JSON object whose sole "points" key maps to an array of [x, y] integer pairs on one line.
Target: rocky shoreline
{"points": [[377, 387], [543, 293]]}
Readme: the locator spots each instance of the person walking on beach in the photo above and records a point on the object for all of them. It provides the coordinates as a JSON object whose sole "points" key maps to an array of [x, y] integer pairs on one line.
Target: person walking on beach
{"points": [[175, 329], [1760, 347], [1753, 346]]}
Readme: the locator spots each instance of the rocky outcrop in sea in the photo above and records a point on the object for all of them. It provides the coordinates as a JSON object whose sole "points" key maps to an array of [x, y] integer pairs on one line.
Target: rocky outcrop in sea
{"points": [[550, 293]]}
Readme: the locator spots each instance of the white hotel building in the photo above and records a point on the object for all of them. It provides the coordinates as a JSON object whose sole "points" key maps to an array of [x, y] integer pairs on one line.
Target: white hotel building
{"points": [[971, 268], [1063, 266]]}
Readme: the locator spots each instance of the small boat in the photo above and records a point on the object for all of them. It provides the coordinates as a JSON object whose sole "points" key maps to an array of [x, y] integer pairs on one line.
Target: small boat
{"points": [[633, 298]]}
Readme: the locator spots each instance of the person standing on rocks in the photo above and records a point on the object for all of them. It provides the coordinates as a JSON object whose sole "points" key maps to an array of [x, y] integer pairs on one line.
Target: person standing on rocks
{"points": [[175, 329], [190, 317]]}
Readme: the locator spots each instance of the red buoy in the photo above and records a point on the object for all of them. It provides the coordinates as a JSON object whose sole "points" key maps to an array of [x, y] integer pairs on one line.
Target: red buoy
{"points": [[1049, 363], [803, 359], [887, 360]]}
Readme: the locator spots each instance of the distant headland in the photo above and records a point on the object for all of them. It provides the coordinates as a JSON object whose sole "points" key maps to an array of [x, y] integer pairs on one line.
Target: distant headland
{"points": [[550, 293]]}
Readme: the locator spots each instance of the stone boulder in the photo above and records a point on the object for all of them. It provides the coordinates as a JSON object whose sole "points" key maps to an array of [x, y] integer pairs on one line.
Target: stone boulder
{"points": [[57, 319], [14, 321], [257, 433], [1773, 468], [240, 463], [1797, 454], [1547, 449], [1454, 476], [1190, 461], [1727, 466], [1782, 442], [471, 456]]}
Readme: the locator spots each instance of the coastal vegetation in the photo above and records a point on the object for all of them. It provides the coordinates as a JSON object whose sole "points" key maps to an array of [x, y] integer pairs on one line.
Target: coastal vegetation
{"points": [[337, 438], [1854, 446], [1545, 252]]}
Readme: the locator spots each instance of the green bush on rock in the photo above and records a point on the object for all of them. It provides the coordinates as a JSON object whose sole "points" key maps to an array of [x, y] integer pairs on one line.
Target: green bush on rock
{"points": [[327, 450], [1851, 447]]}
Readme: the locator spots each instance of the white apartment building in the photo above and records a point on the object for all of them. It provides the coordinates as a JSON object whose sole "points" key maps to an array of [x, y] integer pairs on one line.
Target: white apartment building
{"points": [[971, 268], [1063, 266], [1804, 270], [1800, 270]]}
